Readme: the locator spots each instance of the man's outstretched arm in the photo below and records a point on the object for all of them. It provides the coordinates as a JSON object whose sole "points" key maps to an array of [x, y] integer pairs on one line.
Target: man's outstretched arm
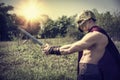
{"points": [[87, 41]]}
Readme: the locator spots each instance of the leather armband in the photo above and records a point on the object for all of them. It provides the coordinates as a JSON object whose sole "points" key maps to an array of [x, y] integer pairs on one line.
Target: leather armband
{"points": [[55, 50]]}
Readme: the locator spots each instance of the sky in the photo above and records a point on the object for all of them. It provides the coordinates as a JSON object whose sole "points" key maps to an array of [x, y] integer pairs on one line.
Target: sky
{"points": [[57, 8]]}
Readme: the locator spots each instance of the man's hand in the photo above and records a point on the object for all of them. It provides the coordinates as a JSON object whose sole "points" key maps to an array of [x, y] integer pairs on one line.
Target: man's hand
{"points": [[46, 49], [55, 50]]}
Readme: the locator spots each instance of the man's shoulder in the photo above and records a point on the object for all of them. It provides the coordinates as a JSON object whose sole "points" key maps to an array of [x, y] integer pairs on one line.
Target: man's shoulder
{"points": [[95, 35]]}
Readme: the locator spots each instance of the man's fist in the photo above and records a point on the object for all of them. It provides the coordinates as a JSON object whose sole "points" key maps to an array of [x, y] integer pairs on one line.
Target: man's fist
{"points": [[51, 50], [46, 49]]}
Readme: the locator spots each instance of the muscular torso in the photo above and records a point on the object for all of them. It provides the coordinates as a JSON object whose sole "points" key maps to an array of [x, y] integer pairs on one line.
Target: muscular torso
{"points": [[92, 44], [95, 52]]}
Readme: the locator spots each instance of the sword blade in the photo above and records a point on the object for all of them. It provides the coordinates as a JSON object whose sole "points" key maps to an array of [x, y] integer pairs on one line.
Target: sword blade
{"points": [[30, 36]]}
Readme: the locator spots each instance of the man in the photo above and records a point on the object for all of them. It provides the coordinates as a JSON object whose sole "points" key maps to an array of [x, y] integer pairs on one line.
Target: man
{"points": [[93, 51]]}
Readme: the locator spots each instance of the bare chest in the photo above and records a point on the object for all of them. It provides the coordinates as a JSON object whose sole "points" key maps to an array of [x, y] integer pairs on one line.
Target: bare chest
{"points": [[92, 55]]}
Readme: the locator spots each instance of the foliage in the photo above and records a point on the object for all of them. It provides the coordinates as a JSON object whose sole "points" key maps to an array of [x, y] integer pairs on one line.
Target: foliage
{"points": [[62, 27], [66, 26], [49, 29], [59, 27], [9, 23], [4, 21], [4, 9], [110, 22]]}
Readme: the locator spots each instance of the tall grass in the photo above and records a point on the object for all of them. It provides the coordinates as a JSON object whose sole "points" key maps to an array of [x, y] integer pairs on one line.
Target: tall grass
{"points": [[27, 62]]}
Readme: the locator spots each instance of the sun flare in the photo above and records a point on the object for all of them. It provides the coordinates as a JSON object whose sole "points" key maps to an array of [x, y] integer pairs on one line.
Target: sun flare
{"points": [[30, 11]]}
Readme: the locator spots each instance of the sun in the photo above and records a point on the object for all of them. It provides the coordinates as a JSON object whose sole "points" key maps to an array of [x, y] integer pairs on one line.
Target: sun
{"points": [[30, 11]]}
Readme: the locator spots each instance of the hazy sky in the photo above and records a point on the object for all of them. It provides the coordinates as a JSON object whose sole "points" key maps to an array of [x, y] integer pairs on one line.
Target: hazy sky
{"points": [[57, 8]]}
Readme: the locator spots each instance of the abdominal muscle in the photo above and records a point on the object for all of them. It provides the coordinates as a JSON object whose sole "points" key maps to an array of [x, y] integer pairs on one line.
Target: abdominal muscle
{"points": [[91, 57]]}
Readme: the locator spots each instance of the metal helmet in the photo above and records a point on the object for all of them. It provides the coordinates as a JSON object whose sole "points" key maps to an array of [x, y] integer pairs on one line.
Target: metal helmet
{"points": [[86, 15]]}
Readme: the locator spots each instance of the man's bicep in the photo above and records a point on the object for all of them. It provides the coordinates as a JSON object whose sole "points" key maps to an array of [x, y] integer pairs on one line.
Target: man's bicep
{"points": [[89, 40], [78, 46], [93, 38]]}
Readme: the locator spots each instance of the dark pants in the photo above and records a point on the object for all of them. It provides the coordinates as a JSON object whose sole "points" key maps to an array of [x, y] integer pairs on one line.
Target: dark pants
{"points": [[88, 72]]}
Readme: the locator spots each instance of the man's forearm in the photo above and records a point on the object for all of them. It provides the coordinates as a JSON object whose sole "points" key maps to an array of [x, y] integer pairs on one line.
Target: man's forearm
{"points": [[64, 51], [79, 46], [65, 46]]}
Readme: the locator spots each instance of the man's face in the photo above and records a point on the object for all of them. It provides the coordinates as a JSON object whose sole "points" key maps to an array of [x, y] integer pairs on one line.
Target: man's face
{"points": [[82, 26]]}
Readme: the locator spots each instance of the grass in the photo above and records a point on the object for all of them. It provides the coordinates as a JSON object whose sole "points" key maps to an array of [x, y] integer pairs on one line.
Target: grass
{"points": [[27, 62]]}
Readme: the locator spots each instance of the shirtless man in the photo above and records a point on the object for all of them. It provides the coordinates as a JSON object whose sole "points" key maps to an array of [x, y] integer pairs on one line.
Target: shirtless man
{"points": [[93, 45]]}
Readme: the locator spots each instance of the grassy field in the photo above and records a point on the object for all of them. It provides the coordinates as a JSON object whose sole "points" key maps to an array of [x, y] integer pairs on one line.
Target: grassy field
{"points": [[25, 61]]}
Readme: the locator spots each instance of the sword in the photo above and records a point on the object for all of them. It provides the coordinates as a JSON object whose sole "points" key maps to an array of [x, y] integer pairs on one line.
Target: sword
{"points": [[30, 36]]}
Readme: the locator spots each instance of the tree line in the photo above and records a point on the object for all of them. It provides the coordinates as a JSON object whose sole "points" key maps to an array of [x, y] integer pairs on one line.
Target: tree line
{"points": [[61, 27]]}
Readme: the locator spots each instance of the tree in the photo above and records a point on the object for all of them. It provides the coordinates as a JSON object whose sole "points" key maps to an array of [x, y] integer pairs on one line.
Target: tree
{"points": [[63, 26], [4, 21], [48, 30], [66, 26], [110, 22], [115, 29]]}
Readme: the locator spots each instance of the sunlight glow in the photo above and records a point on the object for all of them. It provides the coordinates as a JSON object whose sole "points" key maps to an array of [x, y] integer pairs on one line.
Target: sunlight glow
{"points": [[31, 10]]}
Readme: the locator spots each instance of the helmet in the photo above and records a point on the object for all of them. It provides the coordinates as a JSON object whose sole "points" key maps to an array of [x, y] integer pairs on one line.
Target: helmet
{"points": [[86, 15]]}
